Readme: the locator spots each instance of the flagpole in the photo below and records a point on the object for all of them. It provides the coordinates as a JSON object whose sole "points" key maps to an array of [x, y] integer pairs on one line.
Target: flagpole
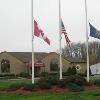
{"points": [[87, 42], [32, 20], [60, 51]]}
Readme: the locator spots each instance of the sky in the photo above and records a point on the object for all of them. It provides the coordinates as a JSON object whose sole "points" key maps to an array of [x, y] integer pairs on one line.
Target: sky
{"points": [[16, 23]]}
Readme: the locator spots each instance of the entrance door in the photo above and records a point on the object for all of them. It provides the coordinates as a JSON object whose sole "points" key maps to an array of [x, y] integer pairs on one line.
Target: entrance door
{"points": [[36, 71]]}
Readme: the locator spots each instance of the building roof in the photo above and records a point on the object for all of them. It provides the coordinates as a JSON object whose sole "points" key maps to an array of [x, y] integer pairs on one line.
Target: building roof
{"points": [[27, 56], [75, 60]]}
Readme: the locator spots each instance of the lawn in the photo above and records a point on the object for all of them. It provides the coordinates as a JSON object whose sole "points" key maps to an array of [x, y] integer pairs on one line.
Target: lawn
{"points": [[6, 83]]}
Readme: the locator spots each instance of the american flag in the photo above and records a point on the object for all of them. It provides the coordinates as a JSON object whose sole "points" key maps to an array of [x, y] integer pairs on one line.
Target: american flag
{"points": [[63, 31]]}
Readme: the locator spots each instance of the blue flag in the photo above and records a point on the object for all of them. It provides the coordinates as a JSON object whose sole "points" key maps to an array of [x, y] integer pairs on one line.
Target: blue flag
{"points": [[94, 32]]}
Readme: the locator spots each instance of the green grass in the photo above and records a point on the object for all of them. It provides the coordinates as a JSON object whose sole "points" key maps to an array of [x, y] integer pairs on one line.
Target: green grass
{"points": [[4, 84]]}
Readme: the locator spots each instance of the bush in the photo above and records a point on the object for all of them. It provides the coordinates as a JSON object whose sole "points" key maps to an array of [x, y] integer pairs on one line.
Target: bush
{"points": [[44, 74], [30, 87], [53, 80], [44, 85], [64, 73], [71, 71], [79, 80], [24, 74], [3, 75], [14, 87], [82, 74], [70, 79], [42, 79], [97, 82], [68, 72], [62, 83], [8, 76], [74, 87], [53, 74]]}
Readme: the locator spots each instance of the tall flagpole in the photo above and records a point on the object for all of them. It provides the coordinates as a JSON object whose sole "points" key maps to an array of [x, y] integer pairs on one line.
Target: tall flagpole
{"points": [[87, 42], [32, 22], [60, 51]]}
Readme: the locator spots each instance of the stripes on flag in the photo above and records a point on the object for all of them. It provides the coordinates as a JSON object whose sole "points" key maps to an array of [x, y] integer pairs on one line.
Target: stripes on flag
{"points": [[63, 31]]}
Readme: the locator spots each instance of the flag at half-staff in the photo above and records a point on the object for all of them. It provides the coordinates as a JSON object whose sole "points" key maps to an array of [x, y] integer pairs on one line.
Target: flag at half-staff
{"points": [[39, 33], [94, 32], [63, 31]]}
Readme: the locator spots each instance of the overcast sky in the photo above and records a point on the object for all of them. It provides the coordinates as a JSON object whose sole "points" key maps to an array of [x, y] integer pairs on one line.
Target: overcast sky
{"points": [[15, 23]]}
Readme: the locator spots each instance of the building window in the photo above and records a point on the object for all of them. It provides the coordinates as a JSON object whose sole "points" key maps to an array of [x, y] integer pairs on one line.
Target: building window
{"points": [[5, 66], [78, 67], [54, 65]]}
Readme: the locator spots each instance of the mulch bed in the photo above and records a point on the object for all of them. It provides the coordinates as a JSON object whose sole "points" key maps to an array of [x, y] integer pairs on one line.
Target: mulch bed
{"points": [[18, 92], [54, 89], [92, 88], [98, 97], [21, 91]]}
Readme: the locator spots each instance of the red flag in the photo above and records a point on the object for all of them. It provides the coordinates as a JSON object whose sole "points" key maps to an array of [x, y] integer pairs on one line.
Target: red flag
{"points": [[39, 33], [63, 31]]}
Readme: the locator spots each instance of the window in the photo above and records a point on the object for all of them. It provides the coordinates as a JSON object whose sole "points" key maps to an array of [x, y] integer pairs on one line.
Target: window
{"points": [[54, 65], [78, 67], [5, 66]]}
